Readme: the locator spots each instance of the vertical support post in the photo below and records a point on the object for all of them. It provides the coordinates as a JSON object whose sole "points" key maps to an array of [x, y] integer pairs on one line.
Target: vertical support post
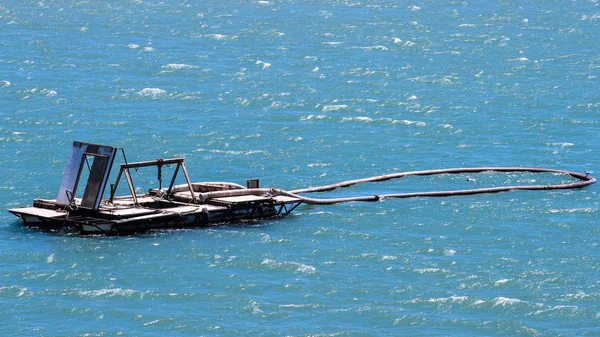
{"points": [[173, 179], [187, 178], [131, 188], [113, 191]]}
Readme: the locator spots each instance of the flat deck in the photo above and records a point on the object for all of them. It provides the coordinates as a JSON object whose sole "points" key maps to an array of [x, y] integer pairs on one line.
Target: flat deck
{"points": [[38, 212], [123, 215], [126, 212]]}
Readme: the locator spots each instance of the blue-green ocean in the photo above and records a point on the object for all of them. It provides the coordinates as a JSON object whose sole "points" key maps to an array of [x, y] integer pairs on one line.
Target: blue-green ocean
{"points": [[306, 93]]}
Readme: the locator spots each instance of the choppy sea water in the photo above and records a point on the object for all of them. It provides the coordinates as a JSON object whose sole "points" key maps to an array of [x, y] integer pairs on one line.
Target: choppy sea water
{"points": [[302, 94]]}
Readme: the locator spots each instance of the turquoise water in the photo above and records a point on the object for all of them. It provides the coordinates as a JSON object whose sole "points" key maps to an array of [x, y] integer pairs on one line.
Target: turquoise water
{"points": [[298, 94]]}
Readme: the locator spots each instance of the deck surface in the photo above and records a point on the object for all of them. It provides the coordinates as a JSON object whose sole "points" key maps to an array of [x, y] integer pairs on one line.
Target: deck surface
{"points": [[39, 212], [127, 212]]}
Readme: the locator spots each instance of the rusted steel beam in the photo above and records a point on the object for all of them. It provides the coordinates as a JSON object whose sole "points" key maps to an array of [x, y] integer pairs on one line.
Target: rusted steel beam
{"points": [[152, 163]]}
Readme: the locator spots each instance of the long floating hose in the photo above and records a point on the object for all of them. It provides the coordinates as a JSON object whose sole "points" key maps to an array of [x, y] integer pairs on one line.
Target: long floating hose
{"points": [[584, 180]]}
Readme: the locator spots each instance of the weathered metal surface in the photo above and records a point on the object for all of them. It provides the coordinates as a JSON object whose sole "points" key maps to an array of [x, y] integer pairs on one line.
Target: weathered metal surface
{"points": [[103, 157], [39, 212], [126, 212], [173, 207], [198, 204]]}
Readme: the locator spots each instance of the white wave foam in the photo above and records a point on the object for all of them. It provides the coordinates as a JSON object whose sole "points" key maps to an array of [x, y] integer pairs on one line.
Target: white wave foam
{"points": [[151, 92], [501, 282], [587, 17], [318, 165], [300, 306], [562, 144], [572, 210], [309, 117], [449, 252], [329, 108], [179, 66], [504, 301], [48, 92], [34, 91], [110, 292], [4, 84], [265, 65], [360, 119], [304, 268], [578, 295], [133, 46], [446, 80], [430, 270], [451, 299], [407, 122], [383, 48], [16, 291], [255, 308], [220, 151], [561, 310], [268, 262], [221, 37], [299, 267], [152, 322]]}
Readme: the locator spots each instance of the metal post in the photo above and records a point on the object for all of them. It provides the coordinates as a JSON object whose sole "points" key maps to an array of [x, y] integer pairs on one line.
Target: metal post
{"points": [[131, 188], [187, 178], [113, 191], [173, 179]]}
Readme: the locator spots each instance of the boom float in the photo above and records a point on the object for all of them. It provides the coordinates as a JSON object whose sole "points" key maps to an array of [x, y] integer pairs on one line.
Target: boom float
{"points": [[203, 203]]}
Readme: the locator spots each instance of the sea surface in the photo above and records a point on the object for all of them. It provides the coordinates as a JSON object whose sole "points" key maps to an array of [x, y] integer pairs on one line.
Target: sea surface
{"points": [[297, 94]]}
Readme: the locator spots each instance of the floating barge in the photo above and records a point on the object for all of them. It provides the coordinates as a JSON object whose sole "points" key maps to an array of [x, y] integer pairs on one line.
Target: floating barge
{"points": [[176, 206], [205, 203]]}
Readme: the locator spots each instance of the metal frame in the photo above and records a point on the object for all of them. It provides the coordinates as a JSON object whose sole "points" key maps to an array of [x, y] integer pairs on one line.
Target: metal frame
{"points": [[158, 163], [94, 187], [283, 207]]}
